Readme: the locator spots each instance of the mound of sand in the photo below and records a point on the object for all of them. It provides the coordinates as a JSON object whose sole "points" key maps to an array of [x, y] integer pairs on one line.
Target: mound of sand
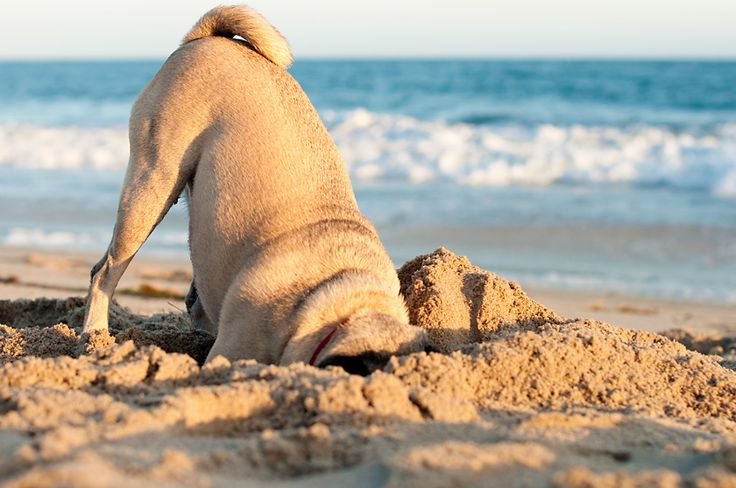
{"points": [[519, 396], [458, 303]]}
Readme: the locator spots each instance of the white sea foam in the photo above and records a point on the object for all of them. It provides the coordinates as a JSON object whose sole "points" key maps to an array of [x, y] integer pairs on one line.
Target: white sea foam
{"points": [[726, 188], [30, 146], [162, 239], [379, 147], [19, 236], [382, 147]]}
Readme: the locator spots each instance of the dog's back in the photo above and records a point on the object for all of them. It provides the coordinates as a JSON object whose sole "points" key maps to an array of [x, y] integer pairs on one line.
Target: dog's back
{"points": [[285, 264], [264, 161]]}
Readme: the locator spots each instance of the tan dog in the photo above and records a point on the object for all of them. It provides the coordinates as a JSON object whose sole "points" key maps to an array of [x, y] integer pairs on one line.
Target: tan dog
{"points": [[286, 267]]}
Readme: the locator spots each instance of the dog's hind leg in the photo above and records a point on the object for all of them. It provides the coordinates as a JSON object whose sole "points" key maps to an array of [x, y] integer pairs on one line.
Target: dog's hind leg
{"points": [[156, 176]]}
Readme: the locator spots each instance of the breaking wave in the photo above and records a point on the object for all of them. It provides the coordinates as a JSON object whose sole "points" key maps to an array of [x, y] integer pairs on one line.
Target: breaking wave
{"points": [[395, 148]]}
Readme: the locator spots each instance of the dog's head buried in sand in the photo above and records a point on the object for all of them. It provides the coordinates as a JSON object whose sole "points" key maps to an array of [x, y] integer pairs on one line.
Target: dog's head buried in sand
{"points": [[286, 268]]}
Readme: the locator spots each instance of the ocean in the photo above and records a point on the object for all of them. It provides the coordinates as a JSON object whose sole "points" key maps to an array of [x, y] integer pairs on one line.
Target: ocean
{"points": [[599, 176]]}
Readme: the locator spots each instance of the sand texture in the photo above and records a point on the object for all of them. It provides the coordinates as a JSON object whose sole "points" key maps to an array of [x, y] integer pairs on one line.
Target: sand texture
{"points": [[517, 396]]}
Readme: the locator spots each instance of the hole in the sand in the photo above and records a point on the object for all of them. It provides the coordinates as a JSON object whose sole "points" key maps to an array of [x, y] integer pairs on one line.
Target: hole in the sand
{"points": [[361, 365], [7, 406], [621, 456]]}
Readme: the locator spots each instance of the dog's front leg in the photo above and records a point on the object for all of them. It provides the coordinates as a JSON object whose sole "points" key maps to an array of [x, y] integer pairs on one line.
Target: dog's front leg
{"points": [[153, 182], [104, 278], [141, 209]]}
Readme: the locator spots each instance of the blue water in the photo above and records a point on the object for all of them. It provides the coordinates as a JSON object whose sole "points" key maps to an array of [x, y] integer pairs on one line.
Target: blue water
{"points": [[608, 176]]}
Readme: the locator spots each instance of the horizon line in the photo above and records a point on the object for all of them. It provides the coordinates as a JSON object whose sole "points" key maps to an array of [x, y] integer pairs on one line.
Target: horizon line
{"points": [[417, 57]]}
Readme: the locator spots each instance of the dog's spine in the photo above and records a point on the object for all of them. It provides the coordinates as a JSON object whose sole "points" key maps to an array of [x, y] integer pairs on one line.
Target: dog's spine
{"points": [[239, 20]]}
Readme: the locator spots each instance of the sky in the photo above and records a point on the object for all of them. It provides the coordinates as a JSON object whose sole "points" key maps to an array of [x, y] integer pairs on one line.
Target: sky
{"points": [[81, 29]]}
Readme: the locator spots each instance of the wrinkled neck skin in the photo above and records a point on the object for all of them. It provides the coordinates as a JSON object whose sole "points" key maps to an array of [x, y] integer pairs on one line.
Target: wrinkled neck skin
{"points": [[362, 317]]}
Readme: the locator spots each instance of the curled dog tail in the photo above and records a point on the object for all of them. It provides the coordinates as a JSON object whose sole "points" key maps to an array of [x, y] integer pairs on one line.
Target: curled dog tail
{"points": [[243, 21]]}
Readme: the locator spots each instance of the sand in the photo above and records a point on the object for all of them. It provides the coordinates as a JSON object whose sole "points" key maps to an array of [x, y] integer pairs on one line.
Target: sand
{"points": [[518, 395]]}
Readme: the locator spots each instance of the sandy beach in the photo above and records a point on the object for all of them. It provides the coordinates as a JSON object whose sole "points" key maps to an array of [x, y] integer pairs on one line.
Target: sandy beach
{"points": [[555, 185], [533, 389], [28, 273]]}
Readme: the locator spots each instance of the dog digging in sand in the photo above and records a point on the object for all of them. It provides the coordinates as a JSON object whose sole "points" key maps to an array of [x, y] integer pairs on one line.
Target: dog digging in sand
{"points": [[286, 268]]}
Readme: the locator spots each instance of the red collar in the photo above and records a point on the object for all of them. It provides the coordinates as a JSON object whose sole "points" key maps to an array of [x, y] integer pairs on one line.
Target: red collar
{"points": [[323, 343]]}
